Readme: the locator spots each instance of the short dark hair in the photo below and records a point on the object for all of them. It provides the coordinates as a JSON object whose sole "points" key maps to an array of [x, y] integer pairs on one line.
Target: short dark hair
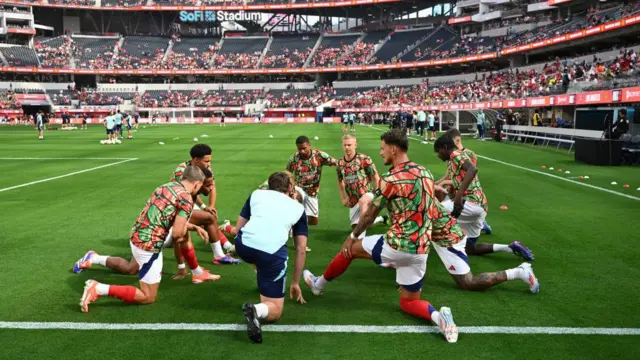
{"points": [[443, 142], [207, 173], [453, 132], [200, 150], [396, 137], [279, 181], [302, 140]]}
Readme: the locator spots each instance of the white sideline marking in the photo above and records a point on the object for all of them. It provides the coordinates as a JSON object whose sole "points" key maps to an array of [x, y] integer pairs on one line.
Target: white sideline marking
{"points": [[65, 175], [365, 329], [546, 174], [64, 158]]}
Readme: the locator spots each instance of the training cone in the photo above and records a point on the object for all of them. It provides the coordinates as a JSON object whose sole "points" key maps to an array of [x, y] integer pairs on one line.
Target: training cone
{"points": [[504, 207], [614, 183], [160, 143], [559, 170], [567, 172], [586, 177], [625, 186], [316, 138], [550, 168], [580, 177], [270, 136], [543, 167], [195, 139]]}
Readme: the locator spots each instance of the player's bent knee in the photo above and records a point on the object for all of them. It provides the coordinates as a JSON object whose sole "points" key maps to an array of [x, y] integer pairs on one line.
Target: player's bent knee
{"points": [[312, 220], [464, 282]]}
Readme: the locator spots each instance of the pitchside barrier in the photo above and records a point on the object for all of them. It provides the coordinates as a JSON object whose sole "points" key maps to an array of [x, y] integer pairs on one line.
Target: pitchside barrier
{"points": [[547, 136]]}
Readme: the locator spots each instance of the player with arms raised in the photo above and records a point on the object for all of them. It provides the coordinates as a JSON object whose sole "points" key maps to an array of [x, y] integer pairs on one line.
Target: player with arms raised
{"points": [[357, 180], [470, 203], [306, 166], [168, 208], [407, 191]]}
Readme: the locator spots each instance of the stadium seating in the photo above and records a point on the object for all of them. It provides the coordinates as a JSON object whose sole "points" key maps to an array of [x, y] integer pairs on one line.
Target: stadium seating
{"points": [[20, 56], [141, 52], [332, 48], [55, 52], [93, 53], [289, 51], [400, 41], [125, 3], [191, 53], [242, 53]]}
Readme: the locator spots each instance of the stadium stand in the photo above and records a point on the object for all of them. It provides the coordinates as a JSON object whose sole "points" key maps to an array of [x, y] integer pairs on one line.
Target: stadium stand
{"points": [[242, 53], [289, 51]]}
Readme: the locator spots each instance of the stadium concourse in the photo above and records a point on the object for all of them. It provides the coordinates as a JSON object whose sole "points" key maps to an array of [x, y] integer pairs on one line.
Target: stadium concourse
{"points": [[452, 129]]}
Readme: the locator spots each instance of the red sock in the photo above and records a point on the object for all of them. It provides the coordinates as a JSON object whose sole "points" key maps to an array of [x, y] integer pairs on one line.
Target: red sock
{"points": [[222, 237], [190, 256], [337, 267], [124, 293], [229, 229], [419, 308]]}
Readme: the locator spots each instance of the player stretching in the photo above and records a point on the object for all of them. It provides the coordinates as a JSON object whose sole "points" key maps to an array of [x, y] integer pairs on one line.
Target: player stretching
{"points": [[407, 191], [306, 166], [449, 241], [208, 216], [469, 205], [169, 207], [357, 179], [263, 231], [457, 139]]}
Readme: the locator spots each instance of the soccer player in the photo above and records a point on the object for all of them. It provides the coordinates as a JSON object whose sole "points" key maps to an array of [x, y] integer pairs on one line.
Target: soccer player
{"points": [[357, 180], [118, 119], [407, 191], [446, 180], [168, 208], [263, 231], [306, 166], [40, 125], [110, 124], [129, 125], [449, 241], [469, 205], [345, 121], [208, 216], [352, 122]]}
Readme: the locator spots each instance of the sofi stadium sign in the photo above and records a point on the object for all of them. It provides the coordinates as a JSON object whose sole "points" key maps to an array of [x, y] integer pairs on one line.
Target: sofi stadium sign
{"points": [[212, 16]]}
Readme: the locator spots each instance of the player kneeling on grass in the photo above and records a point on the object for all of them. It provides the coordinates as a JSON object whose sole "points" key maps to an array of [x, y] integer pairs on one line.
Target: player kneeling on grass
{"points": [[263, 231], [407, 191], [469, 205], [168, 208], [449, 241]]}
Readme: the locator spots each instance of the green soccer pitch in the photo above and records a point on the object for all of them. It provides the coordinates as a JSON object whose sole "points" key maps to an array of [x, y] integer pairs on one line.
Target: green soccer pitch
{"points": [[68, 194]]}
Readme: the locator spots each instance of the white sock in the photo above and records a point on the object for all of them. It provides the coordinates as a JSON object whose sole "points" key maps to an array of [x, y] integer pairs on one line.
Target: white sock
{"points": [[262, 310], [321, 282], [501, 248], [197, 271], [435, 317], [378, 220], [99, 260], [515, 273], [102, 289], [169, 240], [217, 249], [228, 245]]}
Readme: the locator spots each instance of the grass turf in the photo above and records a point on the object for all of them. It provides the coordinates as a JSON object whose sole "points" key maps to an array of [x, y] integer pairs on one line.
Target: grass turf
{"points": [[582, 238]]}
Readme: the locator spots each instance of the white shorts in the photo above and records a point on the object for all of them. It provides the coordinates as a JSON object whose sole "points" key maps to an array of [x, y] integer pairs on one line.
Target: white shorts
{"points": [[354, 212], [311, 206], [149, 265], [410, 268], [471, 219], [454, 257]]}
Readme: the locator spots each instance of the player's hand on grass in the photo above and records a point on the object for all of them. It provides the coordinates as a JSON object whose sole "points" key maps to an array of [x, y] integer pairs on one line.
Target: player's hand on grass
{"points": [[180, 274], [203, 234], [346, 248], [296, 293]]}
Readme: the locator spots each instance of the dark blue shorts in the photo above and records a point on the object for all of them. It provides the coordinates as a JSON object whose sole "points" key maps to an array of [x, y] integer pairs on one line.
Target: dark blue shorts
{"points": [[118, 127], [110, 131], [271, 268]]}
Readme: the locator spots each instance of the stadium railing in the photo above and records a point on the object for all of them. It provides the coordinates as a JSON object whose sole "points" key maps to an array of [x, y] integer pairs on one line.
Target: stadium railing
{"points": [[546, 136]]}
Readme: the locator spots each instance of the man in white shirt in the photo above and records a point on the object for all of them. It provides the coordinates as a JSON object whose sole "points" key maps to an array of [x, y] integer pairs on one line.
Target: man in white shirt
{"points": [[480, 124], [263, 231]]}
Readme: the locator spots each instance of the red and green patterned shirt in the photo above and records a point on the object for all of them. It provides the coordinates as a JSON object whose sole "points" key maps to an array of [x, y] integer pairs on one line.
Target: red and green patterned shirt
{"points": [[407, 192], [357, 175], [152, 226], [177, 173], [446, 231], [307, 172], [474, 192]]}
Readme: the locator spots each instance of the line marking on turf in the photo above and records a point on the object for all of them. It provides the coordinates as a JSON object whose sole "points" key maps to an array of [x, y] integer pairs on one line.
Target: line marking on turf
{"points": [[65, 175], [64, 158], [364, 329], [546, 174]]}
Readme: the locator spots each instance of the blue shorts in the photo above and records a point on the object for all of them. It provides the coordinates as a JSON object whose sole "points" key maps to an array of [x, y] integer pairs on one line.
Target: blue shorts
{"points": [[271, 268], [110, 131], [118, 127], [128, 126]]}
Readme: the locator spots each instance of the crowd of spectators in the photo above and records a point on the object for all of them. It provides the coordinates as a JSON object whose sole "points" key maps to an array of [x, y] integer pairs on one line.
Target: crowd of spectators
{"points": [[55, 53], [236, 60], [287, 59], [7, 101]]}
